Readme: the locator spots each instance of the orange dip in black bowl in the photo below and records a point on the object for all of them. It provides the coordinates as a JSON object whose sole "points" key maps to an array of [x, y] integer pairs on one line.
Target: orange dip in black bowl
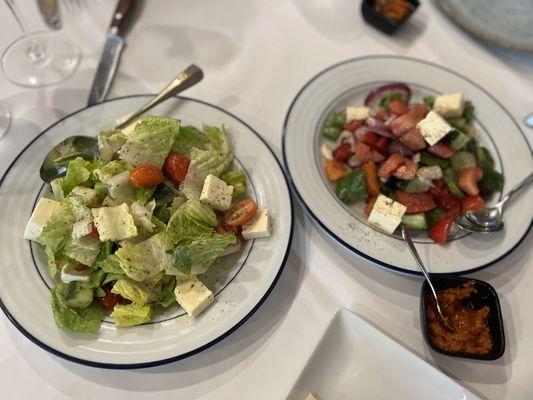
{"points": [[473, 309]]}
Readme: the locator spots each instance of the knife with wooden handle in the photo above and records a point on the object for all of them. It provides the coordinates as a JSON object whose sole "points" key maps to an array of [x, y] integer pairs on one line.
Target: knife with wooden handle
{"points": [[112, 50]]}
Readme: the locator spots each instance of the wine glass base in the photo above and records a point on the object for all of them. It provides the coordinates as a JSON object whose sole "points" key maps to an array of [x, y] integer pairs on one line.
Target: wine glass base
{"points": [[40, 59]]}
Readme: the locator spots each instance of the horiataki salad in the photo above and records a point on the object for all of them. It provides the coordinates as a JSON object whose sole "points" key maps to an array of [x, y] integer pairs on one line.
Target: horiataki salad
{"points": [[416, 163], [128, 232]]}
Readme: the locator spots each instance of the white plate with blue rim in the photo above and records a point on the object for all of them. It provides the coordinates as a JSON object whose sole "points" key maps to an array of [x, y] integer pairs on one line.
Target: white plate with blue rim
{"points": [[348, 83], [241, 282], [354, 360]]}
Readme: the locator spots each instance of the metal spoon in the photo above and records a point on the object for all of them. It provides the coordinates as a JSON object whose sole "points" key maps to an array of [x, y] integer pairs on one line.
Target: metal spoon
{"points": [[55, 162], [489, 219], [410, 245]]}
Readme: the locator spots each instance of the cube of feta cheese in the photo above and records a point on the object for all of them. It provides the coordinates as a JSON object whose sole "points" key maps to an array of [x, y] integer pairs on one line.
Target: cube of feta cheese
{"points": [[114, 223], [386, 214], [449, 105], [216, 193], [357, 113], [41, 214], [326, 152], [193, 296], [82, 228], [429, 173], [433, 128], [258, 226]]}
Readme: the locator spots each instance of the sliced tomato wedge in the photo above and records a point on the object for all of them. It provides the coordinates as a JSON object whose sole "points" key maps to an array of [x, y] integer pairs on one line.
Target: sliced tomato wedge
{"points": [[442, 150], [440, 232], [371, 178], [110, 300], [413, 139], [416, 202], [352, 125], [398, 106], [468, 179], [472, 203], [342, 152], [446, 200], [393, 162], [334, 170], [176, 167], [241, 213]]}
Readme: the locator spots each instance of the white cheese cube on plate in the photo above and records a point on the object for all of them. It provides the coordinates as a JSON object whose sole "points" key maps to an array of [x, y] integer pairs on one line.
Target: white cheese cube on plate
{"points": [[429, 173], [433, 128], [357, 113], [386, 214], [326, 152], [216, 193], [449, 105], [41, 215], [258, 226], [82, 228], [114, 223], [193, 296]]}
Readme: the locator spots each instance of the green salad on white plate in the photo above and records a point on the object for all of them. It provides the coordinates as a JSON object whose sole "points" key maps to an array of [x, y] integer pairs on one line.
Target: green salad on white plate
{"points": [[129, 231]]}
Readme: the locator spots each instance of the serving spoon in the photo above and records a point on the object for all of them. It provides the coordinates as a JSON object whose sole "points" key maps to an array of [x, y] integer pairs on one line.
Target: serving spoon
{"points": [[410, 245], [55, 163], [489, 219]]}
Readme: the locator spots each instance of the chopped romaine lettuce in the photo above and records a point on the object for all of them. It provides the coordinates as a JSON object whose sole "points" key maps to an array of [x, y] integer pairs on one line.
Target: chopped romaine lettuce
{"points": [[144, 260], [131, 314], [109, 142], [203, 163], [218, 138], [142, 195], [196, 257], [188, 138], [85, 250], [87, 320], [142, 215], [114, 223], [106, 172], [191, 220], [151, 141], [167, 293], [237, 180], [120, 188], [58, 228], [110, 265], [140, 292]]}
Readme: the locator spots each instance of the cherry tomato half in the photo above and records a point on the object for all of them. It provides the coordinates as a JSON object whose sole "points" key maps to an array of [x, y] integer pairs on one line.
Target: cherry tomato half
{"points": [[176, 167], [110, 300], [146, 176], [241, 213]]}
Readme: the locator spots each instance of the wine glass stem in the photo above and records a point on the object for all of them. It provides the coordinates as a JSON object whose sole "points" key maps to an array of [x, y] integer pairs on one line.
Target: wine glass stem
{"points": [[17, 14]]}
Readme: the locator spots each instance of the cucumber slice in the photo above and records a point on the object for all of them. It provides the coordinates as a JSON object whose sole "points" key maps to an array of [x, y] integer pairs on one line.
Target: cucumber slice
{"points": [[463, 160], [457, 123], [430, 159], [469, 130], [484, 158], [76, 294], [468, 113], [415, 186], [435, 216], [460, 141], [450, 177], [415, 221]]}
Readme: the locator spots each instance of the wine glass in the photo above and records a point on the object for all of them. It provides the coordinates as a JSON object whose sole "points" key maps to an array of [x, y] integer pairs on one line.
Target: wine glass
{"points": [[38, 59]]}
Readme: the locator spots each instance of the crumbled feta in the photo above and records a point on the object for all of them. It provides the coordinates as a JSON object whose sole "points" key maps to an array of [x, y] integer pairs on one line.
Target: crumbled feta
{"points": [[433, 128], [216, 193], [39, 218], [386, 214], [114, 223], [357, 113], [449, 105], [258, 226], [429, 173], [193, 296]]}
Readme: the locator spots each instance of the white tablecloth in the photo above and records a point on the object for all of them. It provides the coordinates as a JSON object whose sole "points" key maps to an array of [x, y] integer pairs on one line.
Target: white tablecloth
{"points": [[256, 55]]}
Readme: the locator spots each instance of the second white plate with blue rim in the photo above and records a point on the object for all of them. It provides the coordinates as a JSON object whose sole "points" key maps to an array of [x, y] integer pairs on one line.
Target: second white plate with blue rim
{"points": [[241, 282], [348, 83]]}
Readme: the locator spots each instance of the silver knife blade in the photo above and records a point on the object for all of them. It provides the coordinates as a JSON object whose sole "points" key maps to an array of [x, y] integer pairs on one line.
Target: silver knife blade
{"points": [[106, 69]]}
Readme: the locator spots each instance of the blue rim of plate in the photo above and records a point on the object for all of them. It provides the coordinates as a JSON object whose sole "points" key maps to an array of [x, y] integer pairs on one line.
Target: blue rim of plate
{"points": [[317, 220], [198, 350]]}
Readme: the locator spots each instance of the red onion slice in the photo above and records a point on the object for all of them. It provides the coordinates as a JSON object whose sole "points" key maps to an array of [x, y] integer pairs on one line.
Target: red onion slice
{"points": [[360, 132], [374, 98], [396, 147], [345, 137], [378, 127]]}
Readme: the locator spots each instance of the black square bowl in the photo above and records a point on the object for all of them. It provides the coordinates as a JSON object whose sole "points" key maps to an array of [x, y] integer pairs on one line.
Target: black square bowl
{"points": [[384, 24], [485, 296]]}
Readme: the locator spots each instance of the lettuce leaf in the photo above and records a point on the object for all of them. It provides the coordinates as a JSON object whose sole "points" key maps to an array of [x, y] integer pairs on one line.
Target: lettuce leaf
{"points": [[144, 260], [218, 138], [139, 292], [142, 214], [188, 138], [58, 229], [106, 172], [191, 220], [196, 257], [203, 163], [237, 180], [110, 265], [167, 292], [109, 142], [131, 314], [151, 141], [87, 320], [144, 194], [85, 250]]}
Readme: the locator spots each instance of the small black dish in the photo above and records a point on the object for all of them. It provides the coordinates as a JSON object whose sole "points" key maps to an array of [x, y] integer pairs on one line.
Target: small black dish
{"points": [[384, 24], [485, 296]]}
